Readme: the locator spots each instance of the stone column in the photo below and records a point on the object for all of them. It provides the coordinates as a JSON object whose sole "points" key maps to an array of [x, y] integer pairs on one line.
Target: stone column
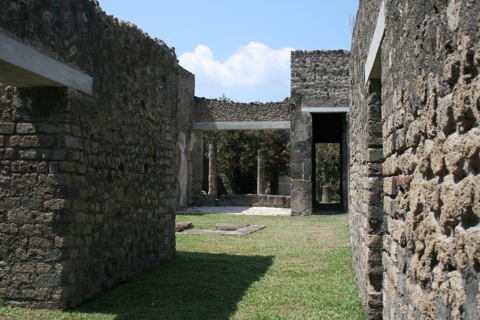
{"points": [[301, 167], [212, 169], [318, 191], [183, 170], [261, 172], [195, 165], [326, 194]]}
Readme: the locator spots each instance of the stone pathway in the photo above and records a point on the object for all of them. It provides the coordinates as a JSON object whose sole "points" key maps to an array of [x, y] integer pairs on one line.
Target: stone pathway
{"points": [[256, 211]]}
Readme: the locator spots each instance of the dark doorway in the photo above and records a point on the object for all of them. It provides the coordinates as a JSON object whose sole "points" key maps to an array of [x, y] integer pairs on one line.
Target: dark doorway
{"points": [[329, 135]]}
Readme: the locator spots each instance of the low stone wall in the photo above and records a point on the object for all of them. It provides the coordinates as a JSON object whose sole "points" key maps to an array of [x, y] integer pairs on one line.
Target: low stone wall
{"points": [[204, 200], [88, 183]]}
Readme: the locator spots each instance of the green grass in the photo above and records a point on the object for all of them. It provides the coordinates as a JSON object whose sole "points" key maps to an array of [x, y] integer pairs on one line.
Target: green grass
{"points": [[295, 268]]}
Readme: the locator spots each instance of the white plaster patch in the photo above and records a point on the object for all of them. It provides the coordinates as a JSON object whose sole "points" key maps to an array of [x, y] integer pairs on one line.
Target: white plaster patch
{"points": [[183, 172], [453, 14]]}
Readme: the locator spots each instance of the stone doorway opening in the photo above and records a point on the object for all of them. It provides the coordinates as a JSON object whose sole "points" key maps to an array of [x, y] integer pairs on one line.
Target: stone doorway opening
{"points": [[327, 173], [329, 137]]}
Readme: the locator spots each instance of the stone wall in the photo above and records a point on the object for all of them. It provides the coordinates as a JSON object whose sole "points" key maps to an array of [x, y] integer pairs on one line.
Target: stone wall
{"points": [[219, 110], [321, 77], [430, 109], [319, 80], [88, 183], [365, 181], [365, 196]]}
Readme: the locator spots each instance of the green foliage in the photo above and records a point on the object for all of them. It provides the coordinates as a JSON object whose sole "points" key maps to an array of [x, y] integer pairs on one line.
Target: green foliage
{"points": [[237, 155], [328, 165]]}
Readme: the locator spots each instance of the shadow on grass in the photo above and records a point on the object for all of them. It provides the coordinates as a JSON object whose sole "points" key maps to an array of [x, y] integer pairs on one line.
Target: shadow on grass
{"points": [[184, 213], [328, 208], [190, 286]]}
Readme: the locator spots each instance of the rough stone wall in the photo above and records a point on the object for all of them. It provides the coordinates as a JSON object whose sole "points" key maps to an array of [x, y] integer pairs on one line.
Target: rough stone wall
{"points": [[365, 172], [432, 144], [212, 110], [319, 79], [430, 109], [32, 197], [87, 183], [365, 197]]}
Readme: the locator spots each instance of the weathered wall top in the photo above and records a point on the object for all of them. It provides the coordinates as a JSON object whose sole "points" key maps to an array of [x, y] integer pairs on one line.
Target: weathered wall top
{"points": [[219, 110], [320, 78], [68, 31]]}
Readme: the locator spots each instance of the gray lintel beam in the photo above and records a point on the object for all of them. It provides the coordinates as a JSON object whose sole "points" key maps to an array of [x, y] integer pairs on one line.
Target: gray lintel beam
{"points": [[326, 109], [23, 66], [373, 65], [242, 125]]}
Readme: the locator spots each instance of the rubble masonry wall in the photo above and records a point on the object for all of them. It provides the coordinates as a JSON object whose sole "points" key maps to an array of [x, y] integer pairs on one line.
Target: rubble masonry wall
{"points": [[88, 183], [430, 109], [224, 110]]}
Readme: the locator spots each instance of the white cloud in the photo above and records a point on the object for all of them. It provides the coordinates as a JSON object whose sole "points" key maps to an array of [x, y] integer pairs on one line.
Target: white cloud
{"points": [[251, 66]]}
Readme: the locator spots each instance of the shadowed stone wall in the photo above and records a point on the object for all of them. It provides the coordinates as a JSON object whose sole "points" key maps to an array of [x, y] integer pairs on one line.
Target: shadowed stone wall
{"points": [[88, 183], [430, 109]]}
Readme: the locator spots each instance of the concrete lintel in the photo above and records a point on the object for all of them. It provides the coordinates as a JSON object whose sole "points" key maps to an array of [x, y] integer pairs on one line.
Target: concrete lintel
{"points": [[373, 63], [326, 109], [242, 125], [23, 66]]}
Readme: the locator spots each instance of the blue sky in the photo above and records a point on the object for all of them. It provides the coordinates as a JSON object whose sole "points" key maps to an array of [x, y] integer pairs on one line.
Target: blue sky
{"points": [[241, 49]]}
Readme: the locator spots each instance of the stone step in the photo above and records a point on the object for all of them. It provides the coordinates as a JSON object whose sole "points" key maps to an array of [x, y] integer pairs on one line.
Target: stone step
{"points": [[180, 226]]}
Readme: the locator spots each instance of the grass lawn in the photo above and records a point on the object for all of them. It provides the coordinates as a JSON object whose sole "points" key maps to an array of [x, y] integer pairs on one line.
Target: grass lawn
{"points": [[295, 268]]}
